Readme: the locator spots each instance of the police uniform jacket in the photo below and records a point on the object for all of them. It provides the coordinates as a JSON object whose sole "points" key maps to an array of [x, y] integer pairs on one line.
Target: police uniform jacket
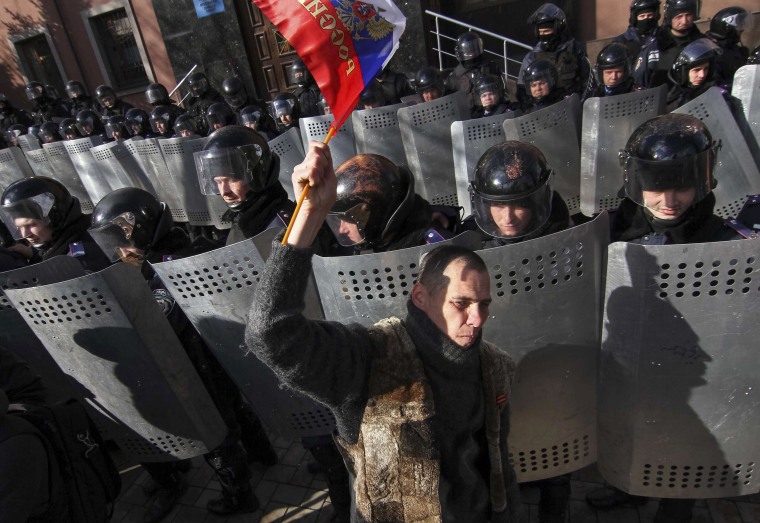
{"points": [[658, 54]]}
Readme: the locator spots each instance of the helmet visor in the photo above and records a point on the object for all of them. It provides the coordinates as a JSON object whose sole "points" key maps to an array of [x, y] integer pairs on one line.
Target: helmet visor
{"points": [[114, 127], [236, 101], [30, 212], [251, 119], [283, 107], [155, 96], [349, 227], [74, 91], [199, 87], [692, 172], [237, 163], [115, 237], [512, 217]]}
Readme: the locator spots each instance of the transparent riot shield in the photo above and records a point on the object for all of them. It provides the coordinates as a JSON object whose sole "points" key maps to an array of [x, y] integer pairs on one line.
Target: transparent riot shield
{"points": [[13, 166], [215, 290], [426, 134], [735, 171], [289, 148], [377, 131], [607, 124], [678, 378], [747, 95], [93, 179], [107, 332], [342, 145], [149, 155], [556, 131], [120, 168], [28, 142], [65, 172], [470, 139], [39, 161]]}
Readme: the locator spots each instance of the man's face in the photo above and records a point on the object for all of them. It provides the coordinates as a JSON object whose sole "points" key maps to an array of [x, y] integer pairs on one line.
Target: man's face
{"points": [[698, 74], [510, 219], [670, 204], [233, 190], [34, 230], [488, 99], [108, 100], [431, 94], [350, 230], [682, 22], [286, 119], [217, 125], [539, 89], [161, 126], [131, 255], [645, 15], [460, 309], [613, 76], [545, 31], [184, 133]]}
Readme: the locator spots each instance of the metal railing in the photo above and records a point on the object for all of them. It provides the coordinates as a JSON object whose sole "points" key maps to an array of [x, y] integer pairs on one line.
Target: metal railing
{"points": [[512, 60], [176, 88]]}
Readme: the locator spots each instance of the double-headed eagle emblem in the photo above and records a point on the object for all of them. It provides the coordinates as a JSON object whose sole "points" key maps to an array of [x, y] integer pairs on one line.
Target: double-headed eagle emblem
{"points": [[363, 20]]}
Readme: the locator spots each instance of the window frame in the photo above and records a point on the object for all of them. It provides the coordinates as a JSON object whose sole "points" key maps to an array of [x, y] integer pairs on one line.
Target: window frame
{"points": [[28, 34]]}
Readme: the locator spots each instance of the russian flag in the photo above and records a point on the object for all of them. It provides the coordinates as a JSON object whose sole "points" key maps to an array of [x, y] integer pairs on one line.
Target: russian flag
{"points": [[344, 43]]}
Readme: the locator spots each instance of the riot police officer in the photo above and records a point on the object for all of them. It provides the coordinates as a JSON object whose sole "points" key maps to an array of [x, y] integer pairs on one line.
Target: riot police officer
{"points": [[44, 107], [642, 24], [544, 89], [693, 72], [202, 96], [184, 127], [116, 128], [490, 96], [156, 94], [49, 133], [110, 104], [612, 72], [219, 115], [286, 111], [79, 100], [428, 84], [256, 118], [68, 129], [138, 123], [371, 98], [395, 85], [308, 92], [472, 64], [10, 115], [89, 124], [236, 96], [726, 28], [161, 122]]}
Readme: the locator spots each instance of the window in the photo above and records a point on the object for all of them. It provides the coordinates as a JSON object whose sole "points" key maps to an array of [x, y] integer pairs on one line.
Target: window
{"points": [[38, 62]]}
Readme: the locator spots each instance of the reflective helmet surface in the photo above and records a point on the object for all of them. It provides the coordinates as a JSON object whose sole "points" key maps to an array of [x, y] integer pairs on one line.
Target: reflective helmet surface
{"points": [[105, 92], [548, 14], [285, 104], [218, 115], [68, 129], [489, 83], [428, 78], [75, 89], [89, 123], [698, 52], [512, 174], [116, 127], [35, 91], [161, 115], [49, 132], [38, 198], [372, 96], [137, 118], [640, 6], [672, 151], [233, 90], [251, 114], [301, 74], [469, 47], [198, 84], [541, 71], [185, 122], [674, 7], [612, 56], [157, 94], [729, 23]]}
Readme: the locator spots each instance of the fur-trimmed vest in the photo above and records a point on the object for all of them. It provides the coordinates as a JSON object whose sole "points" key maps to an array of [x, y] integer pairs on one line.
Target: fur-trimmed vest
{"points": [[396, 460]]}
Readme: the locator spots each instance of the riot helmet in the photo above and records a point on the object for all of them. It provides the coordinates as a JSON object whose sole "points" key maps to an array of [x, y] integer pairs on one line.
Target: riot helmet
{"points": [[729, 23], [469, 48], [34, 130], [198, 84], [128, 222], [285, 109], [75, 89], [754, 56], [236, 153], [645, 26], [218, 115], [511, 192], [88, 123], [161, 120], [548, 16], [372, 97], [13, 132], [253, 117], [49, 132], [669, 152], [613, 56], [156, 94], [35, 91], [35, 209], [116, 127], [428, 83], [68, 129], [233, 90], [301, 74], [106, 96], [184, 126], [489, 84], [324, 107], [374, 197], [697, 53], [138, 122], [675, 7], [541, 71]]}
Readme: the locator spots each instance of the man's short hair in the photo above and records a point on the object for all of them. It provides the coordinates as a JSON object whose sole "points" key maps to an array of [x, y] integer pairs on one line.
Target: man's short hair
{"points": [[435, 262]]}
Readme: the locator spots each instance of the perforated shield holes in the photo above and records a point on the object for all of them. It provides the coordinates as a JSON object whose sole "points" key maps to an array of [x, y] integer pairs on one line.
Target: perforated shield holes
{"points": [[289, 148], [167, 186], [342, 145], [66, 174], [377, 131]]}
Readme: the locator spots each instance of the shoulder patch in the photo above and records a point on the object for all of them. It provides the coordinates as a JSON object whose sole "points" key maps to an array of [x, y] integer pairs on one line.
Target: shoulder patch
{"points": [[164, 300], [653, 56], [433, 236], [76, 249]]}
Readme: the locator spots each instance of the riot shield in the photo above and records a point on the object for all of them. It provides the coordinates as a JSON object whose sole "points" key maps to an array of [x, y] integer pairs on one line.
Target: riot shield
{"points": [[426, 134], [149, 155], [215, 290], [369, 287], [678, 375], [377, 131], [200, 209], [747, 94], [342, 145], [735, 171], [107, 332], [13, 166], [39, 161], [607, 124], [64, 172], [93, 179], [289, 148], [470, 139], [28, 142], [120, 168], [556, 131]]}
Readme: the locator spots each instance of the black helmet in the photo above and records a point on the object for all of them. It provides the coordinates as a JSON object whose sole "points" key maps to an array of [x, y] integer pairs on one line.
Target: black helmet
{"points": [[674, 7], [156, 94], [37, 198], [161, 120], [138, 121], [129, 217], [253, 114], [14, 131], [68, 129], [469, 48], [428, 78], [671, 151], [185, 122], [324, 107], [284, 104], [75, 89], [611, 56], [640, 6], [548, 15], [511, 174], [729, 24], [489, 83], [301, 74], [239, 153], [218, 115], [541, 71], [372, 96], [198, 84], [116, 124], [35, 91], [698, 52], [374, 197], [88, 123], [49, 132], [233, 90], [105, 92]]}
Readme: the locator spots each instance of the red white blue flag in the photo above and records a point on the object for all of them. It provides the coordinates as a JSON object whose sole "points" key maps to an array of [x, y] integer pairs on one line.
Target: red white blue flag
{"points": [[344, 43]]}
